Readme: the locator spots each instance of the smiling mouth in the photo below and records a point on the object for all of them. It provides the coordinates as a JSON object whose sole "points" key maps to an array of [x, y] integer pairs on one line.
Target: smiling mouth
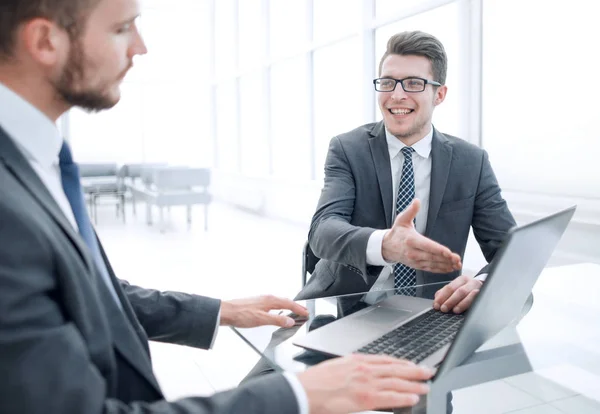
{"points": [[400, 111]]}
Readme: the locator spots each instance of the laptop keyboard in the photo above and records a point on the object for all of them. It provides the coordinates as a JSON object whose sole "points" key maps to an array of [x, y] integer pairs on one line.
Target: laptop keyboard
{"points": [[419, 338]]}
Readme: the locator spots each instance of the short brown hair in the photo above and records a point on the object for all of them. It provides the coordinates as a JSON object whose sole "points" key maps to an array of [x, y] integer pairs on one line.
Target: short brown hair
{"points": [[419, 44], [68, 14]]}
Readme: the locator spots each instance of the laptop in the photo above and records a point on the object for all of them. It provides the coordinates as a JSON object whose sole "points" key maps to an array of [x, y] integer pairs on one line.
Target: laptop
{"points": [[409, 327]]}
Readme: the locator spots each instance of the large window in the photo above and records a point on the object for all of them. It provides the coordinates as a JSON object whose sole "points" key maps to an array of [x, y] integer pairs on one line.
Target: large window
{"points": [[290, 121], [345, 13], [164, 112], [539, 102], [253, 125], [289, 33], [337, 95], [228, 143]]}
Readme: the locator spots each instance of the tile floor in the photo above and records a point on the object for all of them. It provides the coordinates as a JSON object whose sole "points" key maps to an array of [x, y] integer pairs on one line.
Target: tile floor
{"points": [[244, 255]]}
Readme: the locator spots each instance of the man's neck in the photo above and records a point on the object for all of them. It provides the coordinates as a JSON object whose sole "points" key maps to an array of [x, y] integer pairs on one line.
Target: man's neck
{"points": [[413, 139], [33, 89]]}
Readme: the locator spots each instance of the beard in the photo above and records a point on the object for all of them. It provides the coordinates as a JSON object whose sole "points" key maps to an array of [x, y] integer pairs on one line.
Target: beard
{"points": [[74, 73], [414, 131]]}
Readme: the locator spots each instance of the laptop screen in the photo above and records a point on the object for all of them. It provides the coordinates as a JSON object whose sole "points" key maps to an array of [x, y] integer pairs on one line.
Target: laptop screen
{"points": [[512, 275]]}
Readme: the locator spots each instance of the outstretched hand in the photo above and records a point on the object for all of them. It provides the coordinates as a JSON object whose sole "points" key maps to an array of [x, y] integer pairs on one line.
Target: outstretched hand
{"points": [[403, 244], [253, 312]]}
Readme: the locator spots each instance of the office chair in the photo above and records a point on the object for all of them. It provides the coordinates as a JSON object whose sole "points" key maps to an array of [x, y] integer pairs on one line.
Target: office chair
{"points": [[309, 261]]}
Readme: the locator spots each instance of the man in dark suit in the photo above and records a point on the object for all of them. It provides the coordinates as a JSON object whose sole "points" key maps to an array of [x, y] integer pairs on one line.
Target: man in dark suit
{"points": [[73, 338], [397, 191]]}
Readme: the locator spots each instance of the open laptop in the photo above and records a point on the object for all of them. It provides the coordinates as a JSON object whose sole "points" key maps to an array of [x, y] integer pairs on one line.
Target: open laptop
{"points": [[409, 327]]}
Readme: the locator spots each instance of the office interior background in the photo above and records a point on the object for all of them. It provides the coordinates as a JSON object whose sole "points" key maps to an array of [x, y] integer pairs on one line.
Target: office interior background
{"points": [[255, 89]]}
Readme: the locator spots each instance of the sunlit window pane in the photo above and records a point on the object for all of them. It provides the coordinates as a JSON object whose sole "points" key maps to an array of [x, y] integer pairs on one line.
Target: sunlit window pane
{"points": [[338, 89], [169, 58], [227, 127], [173, 113], [542, 138], [225, 38], [387, 8], [110, 136], [252, 34], [345, 13], [253, 125], [290, 119], [289, 30]]}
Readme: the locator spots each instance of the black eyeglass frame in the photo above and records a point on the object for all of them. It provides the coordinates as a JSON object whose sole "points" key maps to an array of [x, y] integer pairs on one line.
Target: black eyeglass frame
{"points": [[401, 82]]}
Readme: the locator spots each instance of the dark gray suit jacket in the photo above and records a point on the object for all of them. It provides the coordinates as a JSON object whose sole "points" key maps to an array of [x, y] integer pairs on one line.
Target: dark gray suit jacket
{"points": [[357, 199], [65, 346]]}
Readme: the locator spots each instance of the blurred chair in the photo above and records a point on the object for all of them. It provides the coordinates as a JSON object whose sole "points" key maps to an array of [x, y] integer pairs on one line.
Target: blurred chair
{"points": [[174, 186], [102, 180], [131, 175]]}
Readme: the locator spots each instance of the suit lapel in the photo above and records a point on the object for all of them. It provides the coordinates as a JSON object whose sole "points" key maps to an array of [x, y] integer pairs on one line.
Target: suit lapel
{"points": [[124, 338], [19, 166], [383, 169], [441, 153]]}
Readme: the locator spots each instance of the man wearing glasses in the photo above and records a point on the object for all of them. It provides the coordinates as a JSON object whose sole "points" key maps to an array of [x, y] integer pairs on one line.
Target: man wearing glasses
{"points": [[399, 195]]}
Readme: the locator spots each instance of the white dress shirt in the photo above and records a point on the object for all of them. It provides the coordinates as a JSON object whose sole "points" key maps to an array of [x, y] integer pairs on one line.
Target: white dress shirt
{"points": [[421, 159], [39, 140]]}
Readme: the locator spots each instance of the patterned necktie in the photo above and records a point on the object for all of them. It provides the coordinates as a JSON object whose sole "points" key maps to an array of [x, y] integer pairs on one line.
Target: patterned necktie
{"points": [[69, 174], [405, 278]]}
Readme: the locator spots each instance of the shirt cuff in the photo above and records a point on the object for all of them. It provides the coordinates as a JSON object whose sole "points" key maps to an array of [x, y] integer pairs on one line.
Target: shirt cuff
{"points": [[374, 245], [216, 330], [481, 277], [299, 392]]}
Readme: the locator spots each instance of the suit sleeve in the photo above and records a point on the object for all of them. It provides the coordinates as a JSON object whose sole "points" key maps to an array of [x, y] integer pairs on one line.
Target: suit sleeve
{"points": [[46, 365], [174, 317], [491, 217], [331, 235]]}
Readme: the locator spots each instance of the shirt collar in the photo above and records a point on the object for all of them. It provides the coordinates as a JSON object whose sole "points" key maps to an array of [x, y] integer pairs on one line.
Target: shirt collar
{"points": [[33, 132], [422, 147]]}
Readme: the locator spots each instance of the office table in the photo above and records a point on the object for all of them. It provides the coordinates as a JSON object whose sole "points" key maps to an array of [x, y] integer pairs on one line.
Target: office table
{"points": [[558, 338]]}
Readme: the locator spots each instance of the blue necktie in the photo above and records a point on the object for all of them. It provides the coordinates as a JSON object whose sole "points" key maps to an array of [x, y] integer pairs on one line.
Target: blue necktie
{"points": [[405, 278], [69, 174]]}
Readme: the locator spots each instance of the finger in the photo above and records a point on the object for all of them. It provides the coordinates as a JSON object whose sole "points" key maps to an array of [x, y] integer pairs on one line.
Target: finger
{"points": [[420, 242], [388, 399], [433, 266], [277, 320], [401, 385], [283, 303], [406, 372], [457, 296], [407, 217], [466, 302], [383, 359], [442, 295]]}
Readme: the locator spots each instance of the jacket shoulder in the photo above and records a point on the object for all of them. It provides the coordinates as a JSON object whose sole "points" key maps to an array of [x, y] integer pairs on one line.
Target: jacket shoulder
{"points": [[357, 136], [462, 146]]}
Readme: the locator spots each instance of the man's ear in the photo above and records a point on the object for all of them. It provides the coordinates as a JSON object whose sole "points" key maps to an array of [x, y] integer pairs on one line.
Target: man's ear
{"points": [[44, 41], [440, 95]]}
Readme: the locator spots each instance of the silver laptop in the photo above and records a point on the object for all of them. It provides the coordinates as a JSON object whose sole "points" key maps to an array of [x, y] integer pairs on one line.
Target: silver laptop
{"points": [[409, 327]]}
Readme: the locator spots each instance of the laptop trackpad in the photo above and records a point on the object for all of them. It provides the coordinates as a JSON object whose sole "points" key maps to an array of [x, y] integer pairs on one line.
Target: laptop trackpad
{"points": [[382, 317]]}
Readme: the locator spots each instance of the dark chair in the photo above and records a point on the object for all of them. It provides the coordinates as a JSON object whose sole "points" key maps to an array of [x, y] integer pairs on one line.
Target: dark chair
{"points": [[309, 261]]}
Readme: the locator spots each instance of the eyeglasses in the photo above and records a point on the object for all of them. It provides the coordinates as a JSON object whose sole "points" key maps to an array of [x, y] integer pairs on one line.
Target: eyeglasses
{"points": [[412, 84]]}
